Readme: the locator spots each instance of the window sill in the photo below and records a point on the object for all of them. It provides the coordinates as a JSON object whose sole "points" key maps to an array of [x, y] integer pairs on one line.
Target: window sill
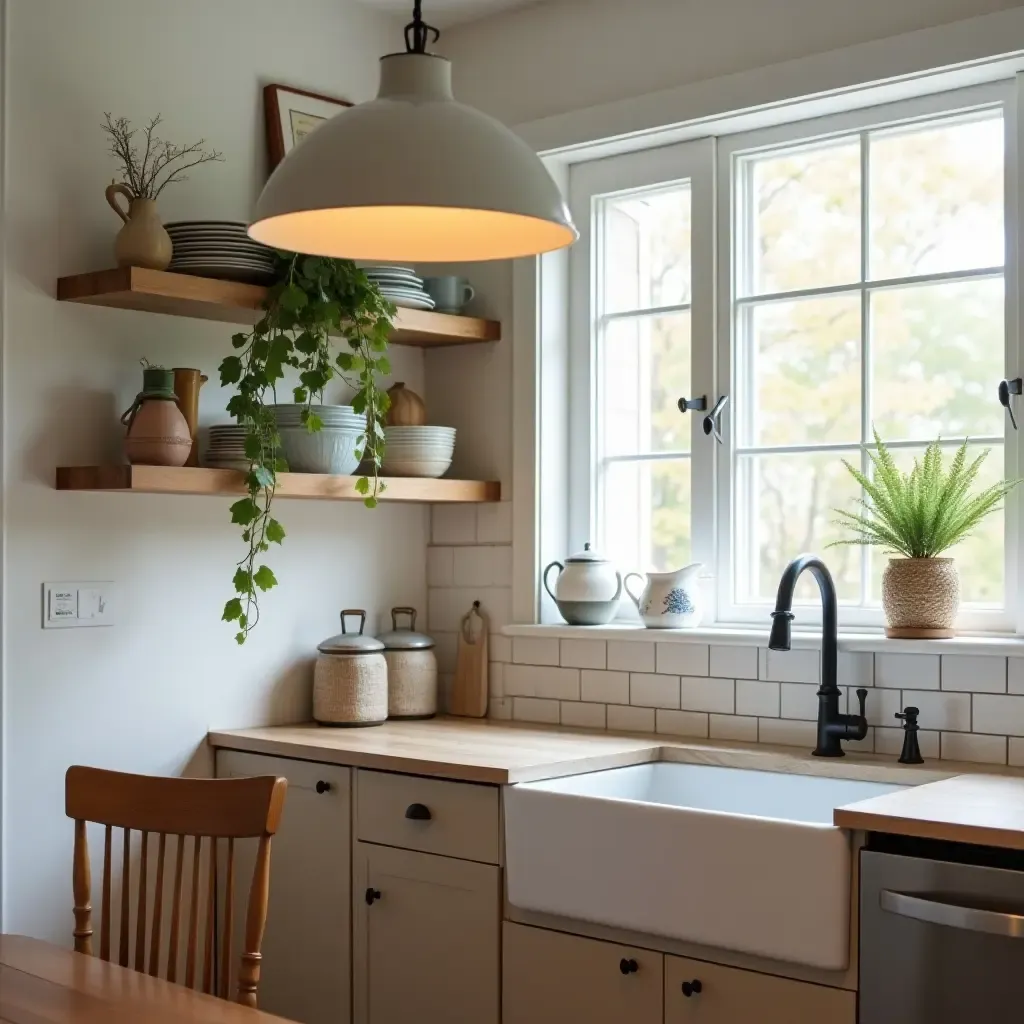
{"points": [[1007, 644]]}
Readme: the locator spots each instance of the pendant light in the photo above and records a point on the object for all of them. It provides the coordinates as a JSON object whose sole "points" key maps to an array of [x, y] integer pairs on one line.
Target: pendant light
{"points": [[413, 176]]}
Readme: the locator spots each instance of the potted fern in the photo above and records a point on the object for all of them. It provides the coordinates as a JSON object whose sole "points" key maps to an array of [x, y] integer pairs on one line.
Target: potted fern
{"points": [[918, 515]]}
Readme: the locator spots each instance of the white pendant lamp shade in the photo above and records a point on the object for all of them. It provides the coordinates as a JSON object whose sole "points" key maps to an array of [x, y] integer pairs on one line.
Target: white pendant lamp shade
{"points": [[413, 176]]}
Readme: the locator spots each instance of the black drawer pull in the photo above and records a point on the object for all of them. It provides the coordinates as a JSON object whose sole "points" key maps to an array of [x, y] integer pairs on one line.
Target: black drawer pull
{"points": [[371, 895], [692, 988], [323, 787], [628, 966], [417, 812]]}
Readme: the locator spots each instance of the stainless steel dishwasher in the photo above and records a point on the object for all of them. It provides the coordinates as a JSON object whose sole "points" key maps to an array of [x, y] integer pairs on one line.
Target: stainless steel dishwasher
{"points": [[941, 933]]}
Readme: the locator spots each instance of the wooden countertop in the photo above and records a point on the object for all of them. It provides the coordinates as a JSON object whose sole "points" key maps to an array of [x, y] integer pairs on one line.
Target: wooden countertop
{"points": [[986, 810], [499, 753]]}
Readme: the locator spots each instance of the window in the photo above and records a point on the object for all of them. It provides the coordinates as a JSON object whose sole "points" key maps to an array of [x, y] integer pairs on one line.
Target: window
{"points": [[861, 284]]}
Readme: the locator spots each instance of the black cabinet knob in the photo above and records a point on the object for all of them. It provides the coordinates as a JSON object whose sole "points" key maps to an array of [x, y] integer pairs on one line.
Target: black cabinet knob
{"points": [[371, 895], [418, 812], [323, 787], [692, 988], [628, 966]]}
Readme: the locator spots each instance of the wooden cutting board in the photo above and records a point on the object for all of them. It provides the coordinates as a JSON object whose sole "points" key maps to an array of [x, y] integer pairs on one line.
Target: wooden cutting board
{"points": [[469, 691]]}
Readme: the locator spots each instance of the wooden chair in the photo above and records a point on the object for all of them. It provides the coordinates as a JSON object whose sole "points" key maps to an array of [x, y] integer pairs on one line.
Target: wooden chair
{"points": [[200, 809]]}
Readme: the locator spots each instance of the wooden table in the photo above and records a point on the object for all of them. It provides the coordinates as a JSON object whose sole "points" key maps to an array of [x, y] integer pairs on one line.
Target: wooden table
{"points": [[44, 984]]}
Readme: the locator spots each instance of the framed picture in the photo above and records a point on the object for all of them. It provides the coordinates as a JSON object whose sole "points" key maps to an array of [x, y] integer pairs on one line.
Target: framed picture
{"points": [[291, 115]]}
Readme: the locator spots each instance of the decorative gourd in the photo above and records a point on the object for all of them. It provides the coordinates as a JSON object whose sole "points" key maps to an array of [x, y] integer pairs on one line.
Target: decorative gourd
{"points": [[407, 408]]}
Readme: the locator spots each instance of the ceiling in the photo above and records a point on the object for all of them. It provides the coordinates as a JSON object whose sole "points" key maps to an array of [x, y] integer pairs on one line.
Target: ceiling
{"points": [[445, 13]]}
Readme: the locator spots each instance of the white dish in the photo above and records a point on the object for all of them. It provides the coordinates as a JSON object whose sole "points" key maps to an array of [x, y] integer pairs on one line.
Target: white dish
{"points": [[385, 268], [415, 467], [408, 303]]}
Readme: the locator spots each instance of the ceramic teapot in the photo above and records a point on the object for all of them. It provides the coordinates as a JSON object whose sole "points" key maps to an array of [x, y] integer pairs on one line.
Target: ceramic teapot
{"points": [[587, 588], [669, 600]]}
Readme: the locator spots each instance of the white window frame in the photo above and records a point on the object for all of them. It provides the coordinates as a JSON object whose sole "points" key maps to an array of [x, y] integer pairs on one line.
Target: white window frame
{"points": [[731, 150], [709, 164]]}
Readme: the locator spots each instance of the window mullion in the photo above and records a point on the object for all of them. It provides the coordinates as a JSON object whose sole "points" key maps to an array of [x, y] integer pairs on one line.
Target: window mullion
{"points": [[865, 341]]}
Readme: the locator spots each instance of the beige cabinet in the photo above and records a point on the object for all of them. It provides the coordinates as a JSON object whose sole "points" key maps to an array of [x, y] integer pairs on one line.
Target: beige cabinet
{"points": [[704, 993], [305, 973], [425, 938], [551, 978]]}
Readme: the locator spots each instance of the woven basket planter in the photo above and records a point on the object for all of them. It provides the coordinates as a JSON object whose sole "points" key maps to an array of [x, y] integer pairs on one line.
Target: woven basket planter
{"points": [[920, 597]]}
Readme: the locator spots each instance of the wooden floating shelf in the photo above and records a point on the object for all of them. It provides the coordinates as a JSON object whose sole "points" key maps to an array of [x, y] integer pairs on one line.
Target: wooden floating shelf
{"points": [[203, 298], [230, 482]]}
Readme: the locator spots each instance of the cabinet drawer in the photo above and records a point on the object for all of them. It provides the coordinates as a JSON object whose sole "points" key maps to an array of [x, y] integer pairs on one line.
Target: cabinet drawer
{"points": [[454, 819], [726, 995]]}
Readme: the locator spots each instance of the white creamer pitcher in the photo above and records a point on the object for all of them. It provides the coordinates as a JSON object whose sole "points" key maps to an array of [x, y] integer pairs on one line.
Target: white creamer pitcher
{"points": [[669, 600]]}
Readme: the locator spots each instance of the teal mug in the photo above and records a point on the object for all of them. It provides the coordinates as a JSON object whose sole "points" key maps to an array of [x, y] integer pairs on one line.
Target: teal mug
{"points": [[450, 294]]}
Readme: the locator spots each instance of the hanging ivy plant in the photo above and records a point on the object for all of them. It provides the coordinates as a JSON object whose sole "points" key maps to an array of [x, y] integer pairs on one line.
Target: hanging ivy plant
{"points": [[314, 299]]}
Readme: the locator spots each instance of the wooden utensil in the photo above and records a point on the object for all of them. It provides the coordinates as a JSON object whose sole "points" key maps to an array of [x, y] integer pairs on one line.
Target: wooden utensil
{"points": [[469, 691]]}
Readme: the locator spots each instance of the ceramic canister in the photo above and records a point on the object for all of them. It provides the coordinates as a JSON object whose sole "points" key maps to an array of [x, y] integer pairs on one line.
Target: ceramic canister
{"points": [[350, 681], [412, 669]]}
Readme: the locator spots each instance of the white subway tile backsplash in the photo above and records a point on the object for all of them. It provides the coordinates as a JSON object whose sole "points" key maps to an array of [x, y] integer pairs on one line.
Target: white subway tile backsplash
{"points": [[652, 691], [682, 659], [890, 741], [681, 723], [705, 694], [606, 687], [760, 699], [440, 567], [499, 647], [533, 650], [1001, 715], [855, 668], [531, 709], [494, 523], [445, 648], [762, 663], [447, 605], [799, 701], [482, 566], [973, 673], [966, 746], [500, 708], [631, 655], [1016, 752], [584, 653], [496, 679], [733, 662], [787, 734], [453, 524], [581, 715], [627, 719], [881, 706], [907, 671], [733, 727], [947, 712], [542, 681], [1015, 674], [793, 666]]}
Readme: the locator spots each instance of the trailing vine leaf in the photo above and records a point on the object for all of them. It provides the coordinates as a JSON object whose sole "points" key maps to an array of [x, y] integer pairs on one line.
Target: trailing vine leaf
{"points": [[312, 299]]}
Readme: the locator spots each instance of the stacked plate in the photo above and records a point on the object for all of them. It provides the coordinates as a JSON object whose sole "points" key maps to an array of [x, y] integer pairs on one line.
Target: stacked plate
{"points": [[335, 448], [226, 449], [401, 286], [221, 249], [418, 451]]}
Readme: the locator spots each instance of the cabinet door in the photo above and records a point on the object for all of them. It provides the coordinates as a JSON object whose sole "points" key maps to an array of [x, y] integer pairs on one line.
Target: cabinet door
{"points": [[726, 995], [426, 950], [305, 974], [551, 978]]}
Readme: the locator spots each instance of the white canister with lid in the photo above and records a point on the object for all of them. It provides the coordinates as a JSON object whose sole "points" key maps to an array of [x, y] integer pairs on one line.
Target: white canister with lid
{"points": [[350, 682], [412, 669]]}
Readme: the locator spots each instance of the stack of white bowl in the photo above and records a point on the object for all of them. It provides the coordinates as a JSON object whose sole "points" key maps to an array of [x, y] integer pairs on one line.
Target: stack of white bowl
{"points": [[418, 451], [335, 448], [226, 449]]}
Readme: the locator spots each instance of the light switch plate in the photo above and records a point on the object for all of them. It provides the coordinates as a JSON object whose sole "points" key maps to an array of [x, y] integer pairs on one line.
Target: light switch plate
{"points": [[70, 605]]}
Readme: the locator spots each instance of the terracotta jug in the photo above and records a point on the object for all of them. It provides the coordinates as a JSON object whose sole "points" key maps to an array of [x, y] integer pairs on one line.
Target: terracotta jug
{"points": [[157, 432], [187, 383], [142, 242]]}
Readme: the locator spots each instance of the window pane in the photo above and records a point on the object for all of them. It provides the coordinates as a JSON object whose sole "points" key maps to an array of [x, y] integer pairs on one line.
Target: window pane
{"points": [[645, 514], [806, 219], [785, 507], [646, 256], [804, 381], [937, 198], [645, 370], [937, 358], [979, 558]]}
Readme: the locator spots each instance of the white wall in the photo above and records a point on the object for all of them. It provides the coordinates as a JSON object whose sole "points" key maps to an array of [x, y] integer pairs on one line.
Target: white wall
{"points": [[142, 695]]}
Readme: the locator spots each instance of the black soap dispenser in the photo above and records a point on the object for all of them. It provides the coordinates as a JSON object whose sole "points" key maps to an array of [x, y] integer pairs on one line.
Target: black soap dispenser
{"points": [[911, 753]]}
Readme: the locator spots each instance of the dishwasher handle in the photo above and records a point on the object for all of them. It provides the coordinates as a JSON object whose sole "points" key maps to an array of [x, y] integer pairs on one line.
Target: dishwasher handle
{"points": [[938, 910]]}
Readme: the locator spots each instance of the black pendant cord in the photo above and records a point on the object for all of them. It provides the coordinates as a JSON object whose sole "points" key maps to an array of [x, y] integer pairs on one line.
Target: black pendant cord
{"points": [[418, 33]]}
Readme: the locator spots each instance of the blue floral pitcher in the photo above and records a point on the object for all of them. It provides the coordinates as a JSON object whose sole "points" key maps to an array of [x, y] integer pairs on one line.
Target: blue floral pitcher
{"points": [[669, 600]]}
